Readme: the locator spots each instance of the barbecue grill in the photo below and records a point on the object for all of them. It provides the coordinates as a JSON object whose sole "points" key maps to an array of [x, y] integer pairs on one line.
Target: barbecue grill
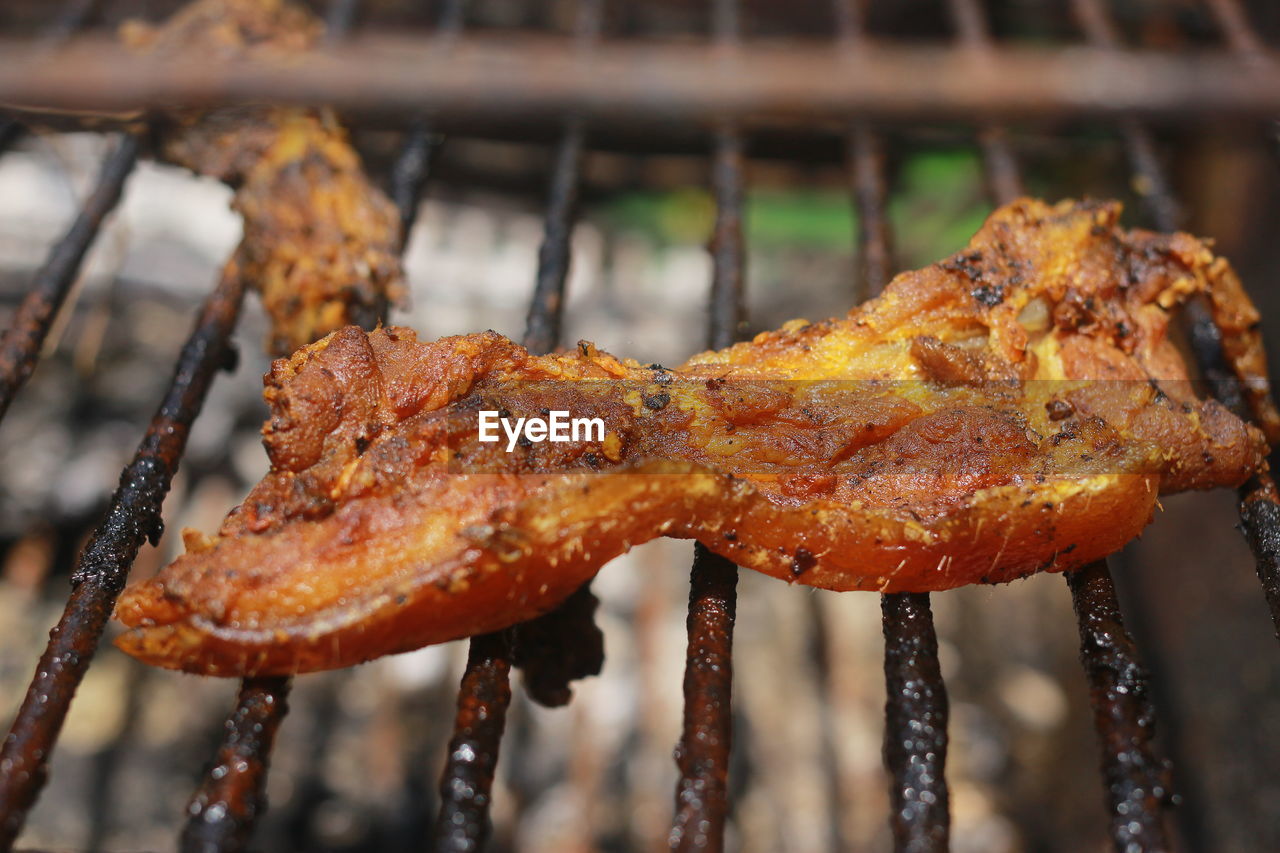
{"points": [[849, 82]]}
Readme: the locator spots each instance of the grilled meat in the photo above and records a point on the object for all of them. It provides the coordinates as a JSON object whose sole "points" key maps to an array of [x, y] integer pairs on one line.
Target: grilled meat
{"points": [[321, 244], [1015, 408]]}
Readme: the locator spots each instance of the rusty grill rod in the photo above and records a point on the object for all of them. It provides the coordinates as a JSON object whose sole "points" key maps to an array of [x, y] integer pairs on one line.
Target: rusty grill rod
{"points": [[413, 164], [467, 780], [1259, 502], [1240, 35], [1137, 779], [916, 710], [222, 812], [21, 344], [915, 740], [132, 518], [467, 783], [702, 754], [1004, 179], [544, 80], [485, 693], [1137, 782]]}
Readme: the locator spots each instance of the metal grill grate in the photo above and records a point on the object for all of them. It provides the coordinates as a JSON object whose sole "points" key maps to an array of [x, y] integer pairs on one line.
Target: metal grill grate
{"points": [[223, 811]]}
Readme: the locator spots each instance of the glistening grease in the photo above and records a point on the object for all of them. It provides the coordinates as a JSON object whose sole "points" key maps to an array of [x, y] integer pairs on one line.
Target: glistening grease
{"points": [[1015, 408]]}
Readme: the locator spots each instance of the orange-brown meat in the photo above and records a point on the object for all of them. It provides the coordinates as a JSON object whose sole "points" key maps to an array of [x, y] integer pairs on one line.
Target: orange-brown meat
{"points": [[321, 243], [1015, 408]]}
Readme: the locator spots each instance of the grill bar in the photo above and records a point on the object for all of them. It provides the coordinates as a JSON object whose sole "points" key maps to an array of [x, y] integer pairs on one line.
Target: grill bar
{"points": [[1259, 505], [1150, 179], [537, 81], [221, 815], [463, 825], [1260, 517], [223, 812], [702, 801], [1004, 179], [702, 755], [915, 736], [413, 165], [20, 346], [9, 130], [542, 328], [1259, 502], [485, 693], [1240, 35], [409, 174], [133, 516], [870, 197], [1137, 782], [231, 797], [915, 743]]}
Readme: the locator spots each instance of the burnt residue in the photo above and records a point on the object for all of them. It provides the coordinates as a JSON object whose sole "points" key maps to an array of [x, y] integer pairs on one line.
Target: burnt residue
{"points": [[803, 561], [915, 738], [657, 402], [21, 344], [542, 330], [1059, 409], [559, 648], [1260, 518], [221, 815], [702, 801], [1137, 779], [463, 825], [132, 518]]}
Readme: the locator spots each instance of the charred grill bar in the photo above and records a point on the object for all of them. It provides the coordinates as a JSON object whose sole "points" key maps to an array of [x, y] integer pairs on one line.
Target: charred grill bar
{"points": [[702, 755], [20, 346], [133, 517], [734, 92], [1137, 781], [915, 734], [465, 787], [221, 815]]}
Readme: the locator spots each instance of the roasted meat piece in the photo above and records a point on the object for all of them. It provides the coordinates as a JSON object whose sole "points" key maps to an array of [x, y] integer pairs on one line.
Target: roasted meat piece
{"points": [[1015, 408], [321, 244]]}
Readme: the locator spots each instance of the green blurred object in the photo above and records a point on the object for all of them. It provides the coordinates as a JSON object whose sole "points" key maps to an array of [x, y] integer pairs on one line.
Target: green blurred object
{"points": [[937, 205]]}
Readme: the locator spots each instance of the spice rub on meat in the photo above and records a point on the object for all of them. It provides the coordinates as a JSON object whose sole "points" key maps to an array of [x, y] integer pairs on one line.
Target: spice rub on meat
{"points": [[321, 243], [1015, 408]]}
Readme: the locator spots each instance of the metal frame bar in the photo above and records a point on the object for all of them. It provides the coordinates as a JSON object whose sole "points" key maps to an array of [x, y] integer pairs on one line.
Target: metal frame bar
{"points": [[546, 81], [22, 341]]}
